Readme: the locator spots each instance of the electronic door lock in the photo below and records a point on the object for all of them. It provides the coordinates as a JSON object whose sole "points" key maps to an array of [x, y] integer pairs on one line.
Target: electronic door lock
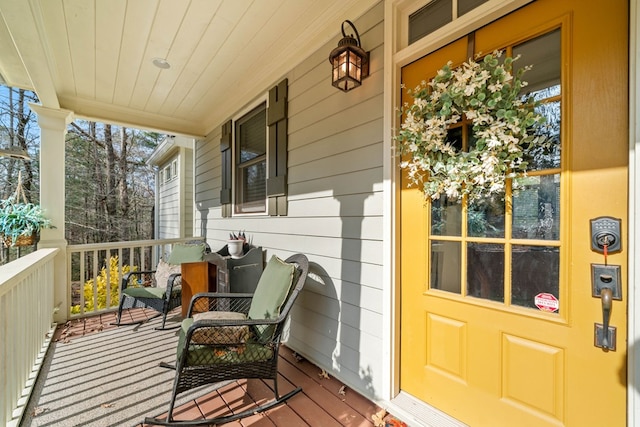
{"points": [[605, 232]]}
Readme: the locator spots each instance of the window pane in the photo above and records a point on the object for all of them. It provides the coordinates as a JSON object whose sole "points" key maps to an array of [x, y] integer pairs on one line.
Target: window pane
{"points": [[547, 155], [251, 167], [485, 217], [252, 135], [465, 6], [536, 208], [446, 217], [455, 138], [535, 270], [485, 271], [543, 54], [445, 266], [252, 187], [429, 18]]}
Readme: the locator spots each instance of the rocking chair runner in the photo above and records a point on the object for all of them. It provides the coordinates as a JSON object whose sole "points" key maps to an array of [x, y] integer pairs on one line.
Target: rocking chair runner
{"points": [[236, 336], [163, 292]]}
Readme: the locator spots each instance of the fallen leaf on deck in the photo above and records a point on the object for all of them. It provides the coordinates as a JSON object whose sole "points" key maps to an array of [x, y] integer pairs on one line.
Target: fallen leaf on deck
{"points": [[378, 418], [107, 405], [324, 375], [38, 410], [342, 391], [297, 357]]}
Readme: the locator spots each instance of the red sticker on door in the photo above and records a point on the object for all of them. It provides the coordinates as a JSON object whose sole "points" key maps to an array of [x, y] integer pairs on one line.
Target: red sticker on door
{"points": [[546, 302]]}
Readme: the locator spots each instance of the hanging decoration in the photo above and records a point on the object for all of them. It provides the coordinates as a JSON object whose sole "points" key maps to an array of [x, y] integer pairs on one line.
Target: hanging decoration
{"points": [[487, 95]]}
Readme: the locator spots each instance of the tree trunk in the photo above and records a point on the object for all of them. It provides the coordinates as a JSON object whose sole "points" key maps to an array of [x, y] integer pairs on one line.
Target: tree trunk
{"points": [[124, 173], [111, 201]]}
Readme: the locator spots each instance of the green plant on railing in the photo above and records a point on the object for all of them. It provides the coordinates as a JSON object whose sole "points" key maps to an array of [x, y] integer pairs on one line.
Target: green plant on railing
{"points": [[101, 286]]}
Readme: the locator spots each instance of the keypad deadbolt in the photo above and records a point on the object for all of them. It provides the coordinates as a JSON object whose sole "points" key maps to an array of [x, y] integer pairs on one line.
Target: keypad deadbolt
{"points": [[605, 232]]}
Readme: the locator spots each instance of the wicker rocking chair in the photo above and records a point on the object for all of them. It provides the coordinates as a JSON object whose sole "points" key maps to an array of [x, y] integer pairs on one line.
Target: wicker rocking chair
{"points": [[158, 289], [236, 336]]}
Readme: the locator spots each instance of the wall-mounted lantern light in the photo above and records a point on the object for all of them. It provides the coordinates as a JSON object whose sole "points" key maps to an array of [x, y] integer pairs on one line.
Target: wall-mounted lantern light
{"points": [[349, 61]]}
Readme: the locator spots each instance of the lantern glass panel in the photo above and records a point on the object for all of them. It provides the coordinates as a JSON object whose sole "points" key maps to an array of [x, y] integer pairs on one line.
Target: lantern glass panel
{"points": [[354, 66]]}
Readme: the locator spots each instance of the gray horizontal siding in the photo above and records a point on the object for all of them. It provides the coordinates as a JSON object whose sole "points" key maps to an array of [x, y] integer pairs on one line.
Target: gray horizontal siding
{"points": [[335, 211]]}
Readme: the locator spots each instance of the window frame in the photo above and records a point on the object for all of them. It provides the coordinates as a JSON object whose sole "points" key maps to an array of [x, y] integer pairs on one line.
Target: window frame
{"points": [[277, 154], [471, 21], [174, 168], [237, 209]]}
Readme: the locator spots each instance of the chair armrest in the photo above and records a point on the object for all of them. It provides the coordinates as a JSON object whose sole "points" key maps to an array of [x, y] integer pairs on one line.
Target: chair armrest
{"points": [[170, 284], [218, 301]]}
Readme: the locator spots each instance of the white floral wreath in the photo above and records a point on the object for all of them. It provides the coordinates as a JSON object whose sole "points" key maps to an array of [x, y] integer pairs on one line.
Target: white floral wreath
{"points": [[487, 94]]}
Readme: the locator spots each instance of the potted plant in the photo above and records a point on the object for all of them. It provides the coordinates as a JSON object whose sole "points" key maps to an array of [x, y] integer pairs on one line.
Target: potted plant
{"points": [[20, 223]]}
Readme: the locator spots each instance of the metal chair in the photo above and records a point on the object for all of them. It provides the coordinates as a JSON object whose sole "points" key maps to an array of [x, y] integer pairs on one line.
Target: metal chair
{"points": [[229, 336], [158, 289]]}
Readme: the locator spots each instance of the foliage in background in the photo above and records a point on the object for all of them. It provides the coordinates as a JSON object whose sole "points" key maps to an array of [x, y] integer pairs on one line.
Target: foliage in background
{"points": [[19, 129], [110, 188], [101, 285]]}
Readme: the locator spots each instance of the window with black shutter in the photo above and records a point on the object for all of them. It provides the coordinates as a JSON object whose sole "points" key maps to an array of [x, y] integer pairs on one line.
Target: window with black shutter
{"points": [[254, 158]]}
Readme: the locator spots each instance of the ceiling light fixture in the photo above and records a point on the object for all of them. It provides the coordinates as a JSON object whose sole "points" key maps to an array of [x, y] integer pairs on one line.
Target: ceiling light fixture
{"points": [[349, 61], [161, 63]]}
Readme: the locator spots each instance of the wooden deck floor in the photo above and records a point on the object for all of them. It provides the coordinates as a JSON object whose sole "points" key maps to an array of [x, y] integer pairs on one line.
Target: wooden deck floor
{"points": [[323, 402]]}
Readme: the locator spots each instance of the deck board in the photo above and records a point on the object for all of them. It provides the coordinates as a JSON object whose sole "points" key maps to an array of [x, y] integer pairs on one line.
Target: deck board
{"points": [[92, 376]]}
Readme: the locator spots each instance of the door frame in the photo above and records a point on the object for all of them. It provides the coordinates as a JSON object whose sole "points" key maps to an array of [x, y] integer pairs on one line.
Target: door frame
{"points": [[395, 57]]}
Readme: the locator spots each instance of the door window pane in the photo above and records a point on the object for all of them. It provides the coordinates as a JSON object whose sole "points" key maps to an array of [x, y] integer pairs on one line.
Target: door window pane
{"points": [[547, 155], [445, 217], [536, 208], [485, 217], [534, 270], [543, 54], [445, 266], [485, 271], [475, 236]]}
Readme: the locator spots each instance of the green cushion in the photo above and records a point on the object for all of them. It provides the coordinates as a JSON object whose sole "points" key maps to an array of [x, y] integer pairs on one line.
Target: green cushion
{"points": [[271, 292], [186, 253], [145, 292]]}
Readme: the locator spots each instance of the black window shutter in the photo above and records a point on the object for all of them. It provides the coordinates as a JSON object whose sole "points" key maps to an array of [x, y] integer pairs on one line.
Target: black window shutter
{"points": [[225, 151], [277, 122]]}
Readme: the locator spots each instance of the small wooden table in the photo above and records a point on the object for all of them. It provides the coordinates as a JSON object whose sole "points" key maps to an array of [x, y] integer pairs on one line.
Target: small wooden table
{"points": [[196, 277]]}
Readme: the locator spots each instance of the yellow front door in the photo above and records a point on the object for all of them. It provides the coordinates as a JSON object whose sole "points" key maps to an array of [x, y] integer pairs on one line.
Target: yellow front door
{"points": [[497, 304]]}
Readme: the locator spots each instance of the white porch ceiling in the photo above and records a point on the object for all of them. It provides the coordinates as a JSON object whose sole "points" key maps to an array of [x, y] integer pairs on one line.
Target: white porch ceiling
{"points": [[94, 57]]}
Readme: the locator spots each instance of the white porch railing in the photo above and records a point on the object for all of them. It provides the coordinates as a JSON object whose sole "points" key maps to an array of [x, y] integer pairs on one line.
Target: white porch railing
{"points": [[26, 328], [94, 271]]}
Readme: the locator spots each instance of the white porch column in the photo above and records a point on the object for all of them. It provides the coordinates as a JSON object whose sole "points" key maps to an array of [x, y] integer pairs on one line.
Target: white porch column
{"points": [[53, 128]]}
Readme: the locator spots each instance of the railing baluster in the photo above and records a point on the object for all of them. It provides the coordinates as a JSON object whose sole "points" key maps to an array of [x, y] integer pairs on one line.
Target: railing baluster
{"points": [[83, 263], [88, 261]]}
